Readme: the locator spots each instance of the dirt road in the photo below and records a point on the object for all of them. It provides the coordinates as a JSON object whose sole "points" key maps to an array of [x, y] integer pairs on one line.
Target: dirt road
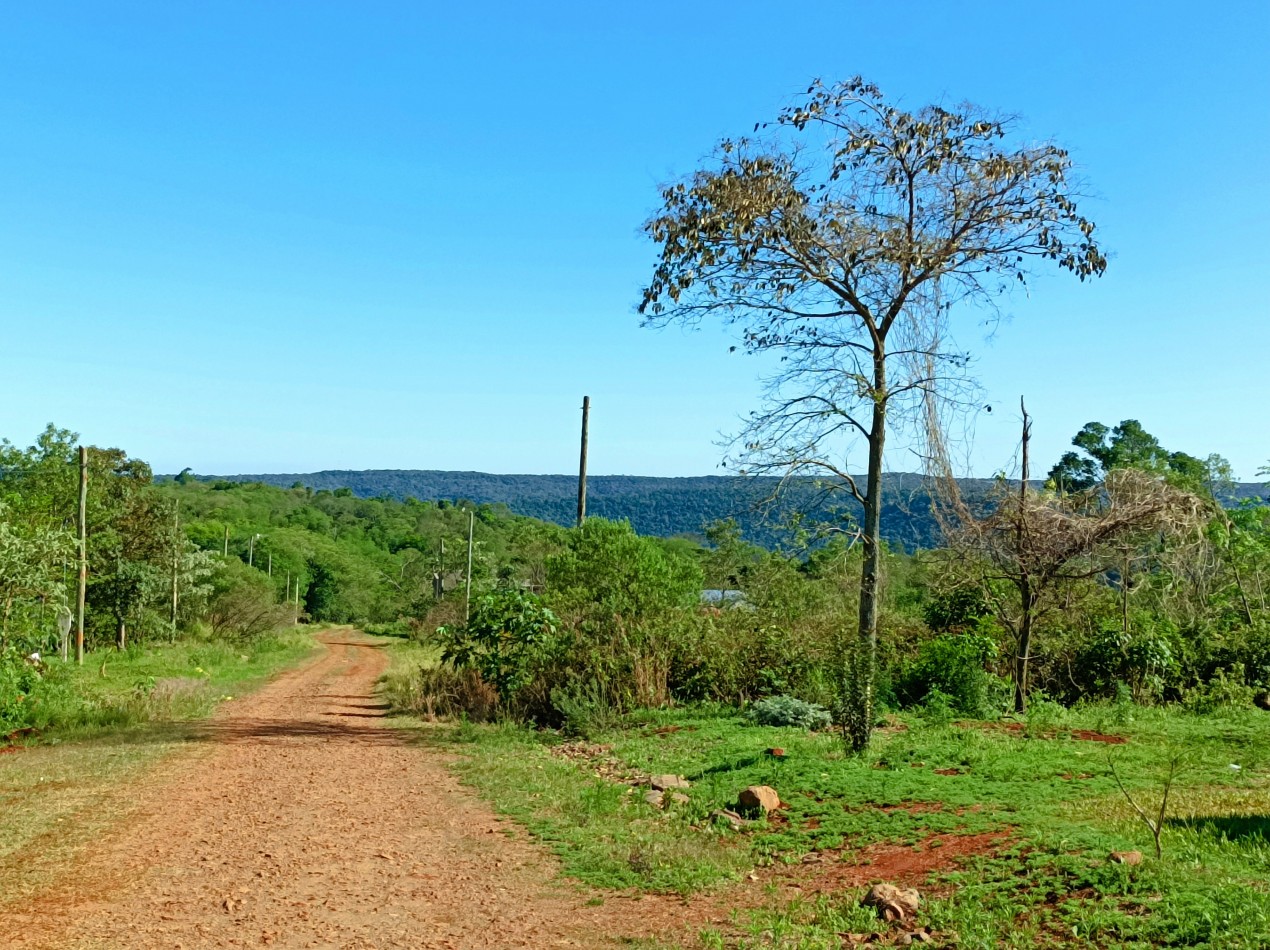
{"points": [[303, 820]]}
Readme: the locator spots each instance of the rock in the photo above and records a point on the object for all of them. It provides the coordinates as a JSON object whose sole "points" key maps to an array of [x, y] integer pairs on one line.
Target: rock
{"points": [[654, 798], [731, 817], [775, 752], [663, 782], [1125, 857], [677, 798], [762, 798], [891, 902]]}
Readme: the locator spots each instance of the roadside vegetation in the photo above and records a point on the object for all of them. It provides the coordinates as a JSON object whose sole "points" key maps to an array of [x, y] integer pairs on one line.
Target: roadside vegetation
{"points": [[568, 700]]}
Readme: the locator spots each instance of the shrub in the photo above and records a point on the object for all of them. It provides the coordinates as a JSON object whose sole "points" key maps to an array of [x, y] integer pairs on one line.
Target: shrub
{"points": [[953, 665], [243, 604], [509, 639], [788, 711], [442, 692], [1223, 691], [585, 709], [1144, 660]]}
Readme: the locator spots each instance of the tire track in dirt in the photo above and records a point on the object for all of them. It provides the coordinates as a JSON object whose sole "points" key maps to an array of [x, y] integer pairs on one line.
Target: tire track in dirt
{"points": [[303, 821]]}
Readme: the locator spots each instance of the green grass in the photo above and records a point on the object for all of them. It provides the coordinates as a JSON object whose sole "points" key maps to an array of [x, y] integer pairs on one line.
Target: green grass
{"points": [[1046, 792], [400, 682], [106, 724]]}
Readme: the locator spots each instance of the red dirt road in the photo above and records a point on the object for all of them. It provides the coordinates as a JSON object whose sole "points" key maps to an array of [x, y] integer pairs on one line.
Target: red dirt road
{"points": [[305, 821]]}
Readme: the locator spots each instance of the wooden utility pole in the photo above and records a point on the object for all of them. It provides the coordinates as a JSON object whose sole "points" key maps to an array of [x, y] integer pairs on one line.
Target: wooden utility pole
{"points": [[226, 551], [586, 413], [176, 560], [467, 601], [83, 555]]}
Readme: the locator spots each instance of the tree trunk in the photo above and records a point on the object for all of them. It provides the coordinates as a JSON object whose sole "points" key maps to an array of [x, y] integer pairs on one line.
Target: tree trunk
{"points": [[859, 703], [121, 636], [1023, 654]]}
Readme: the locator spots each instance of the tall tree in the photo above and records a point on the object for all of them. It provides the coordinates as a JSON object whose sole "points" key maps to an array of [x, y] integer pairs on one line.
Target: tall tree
{"points": [[840, 239], [1127, 445]]}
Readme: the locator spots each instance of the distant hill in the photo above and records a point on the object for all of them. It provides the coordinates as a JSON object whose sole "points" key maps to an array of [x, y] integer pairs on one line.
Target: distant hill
{"points": [[657, 506]]}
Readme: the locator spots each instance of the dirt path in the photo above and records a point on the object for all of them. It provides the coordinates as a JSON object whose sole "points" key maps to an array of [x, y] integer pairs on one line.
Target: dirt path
{"points": [[305, 821]]}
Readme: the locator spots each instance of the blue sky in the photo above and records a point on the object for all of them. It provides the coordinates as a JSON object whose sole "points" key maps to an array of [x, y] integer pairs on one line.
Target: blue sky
{"points": [[250, 237]]}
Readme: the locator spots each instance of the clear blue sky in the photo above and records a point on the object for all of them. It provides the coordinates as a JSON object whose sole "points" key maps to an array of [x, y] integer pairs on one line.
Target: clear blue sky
{"points": [[254, 237]]}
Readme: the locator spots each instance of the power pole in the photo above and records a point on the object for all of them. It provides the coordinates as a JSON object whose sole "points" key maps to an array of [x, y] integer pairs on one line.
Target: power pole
{"points": [[176, 560], [271, 564], [467, 602], [586, 412], [83, 555], [226, 551]]}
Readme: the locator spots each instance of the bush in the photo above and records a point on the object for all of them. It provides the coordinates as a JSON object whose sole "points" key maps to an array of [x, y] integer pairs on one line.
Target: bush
{"points": [[19, 685], [953, 665], [1144, 660], [243, 604], [509, 639], [585, 709], [1223, 691], [442, 692], [788, 711]]}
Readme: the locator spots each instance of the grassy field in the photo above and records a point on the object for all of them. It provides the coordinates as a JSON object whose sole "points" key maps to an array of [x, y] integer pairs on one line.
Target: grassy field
{"points": [[109, 722], [1005, 827]]}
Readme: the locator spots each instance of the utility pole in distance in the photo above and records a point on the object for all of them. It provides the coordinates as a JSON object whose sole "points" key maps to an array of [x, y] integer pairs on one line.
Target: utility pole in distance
{"points": [[467, 605], [586, 413], [83, 555]]}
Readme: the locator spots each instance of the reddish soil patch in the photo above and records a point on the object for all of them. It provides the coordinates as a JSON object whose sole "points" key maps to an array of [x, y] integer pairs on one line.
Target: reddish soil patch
{"points": [[10, 750], [947, 771], [1088, 735], [1017, 728], [826, 872]]}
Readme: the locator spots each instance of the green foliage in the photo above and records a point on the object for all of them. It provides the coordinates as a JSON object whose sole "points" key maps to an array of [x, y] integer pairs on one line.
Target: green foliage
{"points": [[1225, 691], [509, 639], [241, 604], [953, 666], [788, 711], [962, 608], [609, 570], [585, 709], [1144, 660]]}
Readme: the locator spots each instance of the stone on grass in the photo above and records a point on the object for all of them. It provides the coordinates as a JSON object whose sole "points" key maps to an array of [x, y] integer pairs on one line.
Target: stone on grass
{"points": [[663, 782], [654, 798], [677, 798], [731, 817], [891, 902], [1126, 857], [761, 798]]}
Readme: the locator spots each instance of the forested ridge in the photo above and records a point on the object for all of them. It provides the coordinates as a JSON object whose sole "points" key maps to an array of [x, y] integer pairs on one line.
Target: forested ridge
{"points": [[666, 507]]}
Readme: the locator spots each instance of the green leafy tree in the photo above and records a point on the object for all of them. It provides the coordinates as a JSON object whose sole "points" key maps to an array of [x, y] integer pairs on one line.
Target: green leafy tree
{"points": [[510, 636], [32, 566], [624, 596], [839, 241], [1128, 445]]}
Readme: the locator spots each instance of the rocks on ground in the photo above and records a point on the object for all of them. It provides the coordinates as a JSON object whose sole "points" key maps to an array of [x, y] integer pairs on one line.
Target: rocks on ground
{"points": [[758, 798], [893, 903]]}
